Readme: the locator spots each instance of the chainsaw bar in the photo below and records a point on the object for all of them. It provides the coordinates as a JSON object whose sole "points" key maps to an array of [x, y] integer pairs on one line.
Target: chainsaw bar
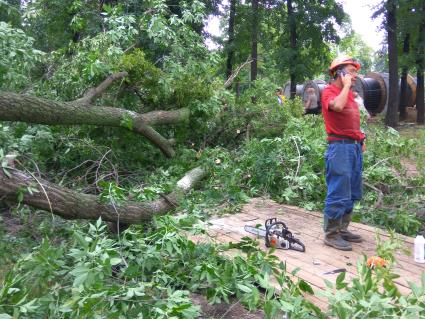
{"points": [[256, 231]]}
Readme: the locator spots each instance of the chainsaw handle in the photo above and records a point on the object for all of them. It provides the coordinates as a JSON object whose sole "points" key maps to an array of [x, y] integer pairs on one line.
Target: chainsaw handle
{"points": [[273, 221], [270, 221], [271, 225]]}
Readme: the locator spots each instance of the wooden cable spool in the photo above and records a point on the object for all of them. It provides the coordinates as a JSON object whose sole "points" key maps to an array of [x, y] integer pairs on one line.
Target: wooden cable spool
{"points": [[287, 90], [382, 80], [373, 88], [375, 92], [411, 91], [318, 86]]}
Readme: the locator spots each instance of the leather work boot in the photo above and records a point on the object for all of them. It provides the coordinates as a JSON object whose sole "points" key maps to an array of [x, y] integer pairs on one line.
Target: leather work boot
{"points": [[345, 233], [332, 236]]}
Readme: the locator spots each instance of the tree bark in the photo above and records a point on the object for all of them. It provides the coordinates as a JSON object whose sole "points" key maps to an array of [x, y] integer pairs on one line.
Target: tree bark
{"points": [[293, 45], [70, 204], [254, 40], [391, 118], [97, 91], [232, 77], [420, 69], [30, 109], [403, 82], [230, 43], [420, 96]]}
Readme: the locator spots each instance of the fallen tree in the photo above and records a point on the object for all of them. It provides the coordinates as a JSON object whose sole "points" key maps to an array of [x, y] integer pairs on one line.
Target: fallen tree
{"points": [[31, 109], [18, 186]]}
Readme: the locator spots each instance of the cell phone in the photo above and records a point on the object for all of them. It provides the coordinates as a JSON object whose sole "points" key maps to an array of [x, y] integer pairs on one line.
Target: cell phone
{"points": [[341, 72]]}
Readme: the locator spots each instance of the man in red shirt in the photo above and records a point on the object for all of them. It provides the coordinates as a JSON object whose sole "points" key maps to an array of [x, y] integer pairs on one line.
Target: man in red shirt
{"points": [[344, 158]]}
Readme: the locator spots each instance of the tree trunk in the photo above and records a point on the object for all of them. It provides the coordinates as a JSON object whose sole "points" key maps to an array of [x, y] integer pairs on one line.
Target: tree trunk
{"points": [[391, 118], [230, 44], [70, 204], [254, 53], [420, 96], [403, 82], [30, 109], [420, 69], [293, 44]]}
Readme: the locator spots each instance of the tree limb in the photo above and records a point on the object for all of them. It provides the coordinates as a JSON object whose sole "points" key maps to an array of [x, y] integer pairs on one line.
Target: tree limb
{"points": [[97, 91], [379, 192], [166, 117], [235, 74], [70, 204], [31, 109]]}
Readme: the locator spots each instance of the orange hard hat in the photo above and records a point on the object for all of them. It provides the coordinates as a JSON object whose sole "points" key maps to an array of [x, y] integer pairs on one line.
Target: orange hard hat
{"points": [[343, 60]]}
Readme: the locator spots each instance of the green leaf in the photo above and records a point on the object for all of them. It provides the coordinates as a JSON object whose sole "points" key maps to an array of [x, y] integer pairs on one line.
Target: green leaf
{"points": [[115, 261], [340, 281], [244, 288], [6, 172], [99, 222], [28, 307], [305, 287], [328, 284], [20, 196]]}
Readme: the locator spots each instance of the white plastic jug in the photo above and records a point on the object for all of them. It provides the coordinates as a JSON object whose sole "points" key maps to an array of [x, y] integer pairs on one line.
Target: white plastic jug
{"points": [[419, 250]]}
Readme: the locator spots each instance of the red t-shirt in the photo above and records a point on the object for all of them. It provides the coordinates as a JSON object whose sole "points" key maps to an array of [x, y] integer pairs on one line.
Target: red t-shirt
{"points": [[345, 123]]}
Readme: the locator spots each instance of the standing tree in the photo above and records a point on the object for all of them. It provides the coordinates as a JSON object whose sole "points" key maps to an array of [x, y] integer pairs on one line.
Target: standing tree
{"points": [[231, 40], [293, 46], [391, 118], [403, 81], [420, 51], [300, 36], [254, 40]]}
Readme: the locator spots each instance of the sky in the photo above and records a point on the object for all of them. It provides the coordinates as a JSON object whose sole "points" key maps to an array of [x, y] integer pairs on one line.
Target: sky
{"points": [[360, 12]]}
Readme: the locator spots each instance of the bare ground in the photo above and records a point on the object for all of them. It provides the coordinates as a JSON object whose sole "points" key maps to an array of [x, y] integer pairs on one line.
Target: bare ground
{"points": [[224, 311]]}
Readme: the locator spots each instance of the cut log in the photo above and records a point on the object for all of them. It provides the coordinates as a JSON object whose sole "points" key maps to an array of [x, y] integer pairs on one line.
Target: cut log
{"points": [[70, 204], [30, 109]]}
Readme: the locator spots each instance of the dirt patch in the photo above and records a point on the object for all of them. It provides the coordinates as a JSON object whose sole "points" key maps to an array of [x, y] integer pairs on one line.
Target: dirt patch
{"points": [[411, 115], [12, 225], [410, 168], [224, 311]]}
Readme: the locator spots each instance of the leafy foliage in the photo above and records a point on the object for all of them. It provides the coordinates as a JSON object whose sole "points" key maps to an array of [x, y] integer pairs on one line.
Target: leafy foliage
{"points": [[17, 57], [373, 293], [250, 145], [142, 275]]}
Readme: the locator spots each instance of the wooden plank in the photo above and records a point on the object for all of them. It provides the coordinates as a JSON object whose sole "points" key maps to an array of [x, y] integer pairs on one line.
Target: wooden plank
{"points": [[310, 272], [367, 247], [319, 258], [318, 301], [235, 224], [265, 203], [370, 235]]}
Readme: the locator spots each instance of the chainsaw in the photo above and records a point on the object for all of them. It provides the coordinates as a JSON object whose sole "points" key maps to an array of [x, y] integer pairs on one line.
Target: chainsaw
{"points": [[277, 235]]}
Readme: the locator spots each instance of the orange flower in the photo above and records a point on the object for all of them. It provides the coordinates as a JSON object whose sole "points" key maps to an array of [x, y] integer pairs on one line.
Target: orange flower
{"points": [[376, 261]]}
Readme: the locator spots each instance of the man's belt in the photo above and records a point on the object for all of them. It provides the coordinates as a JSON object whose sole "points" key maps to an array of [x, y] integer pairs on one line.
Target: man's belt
{"points": [[344, 139], [348, 141]]}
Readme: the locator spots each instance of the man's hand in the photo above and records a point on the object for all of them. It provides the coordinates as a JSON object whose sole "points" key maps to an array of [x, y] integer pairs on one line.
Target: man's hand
{"points": [[346, 80], [364, 147]]}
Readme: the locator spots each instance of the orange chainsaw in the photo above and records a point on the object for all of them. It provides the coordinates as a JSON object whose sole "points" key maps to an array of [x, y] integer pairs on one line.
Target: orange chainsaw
{"points": [[276, 235]]}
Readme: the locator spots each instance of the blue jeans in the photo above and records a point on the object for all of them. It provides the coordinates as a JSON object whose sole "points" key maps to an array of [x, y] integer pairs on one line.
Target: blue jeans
{"points": [[344, 165]]}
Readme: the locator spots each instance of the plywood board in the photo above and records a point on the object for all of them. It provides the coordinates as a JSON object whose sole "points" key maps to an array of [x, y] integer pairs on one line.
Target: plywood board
{"points": [[318, 258]]}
